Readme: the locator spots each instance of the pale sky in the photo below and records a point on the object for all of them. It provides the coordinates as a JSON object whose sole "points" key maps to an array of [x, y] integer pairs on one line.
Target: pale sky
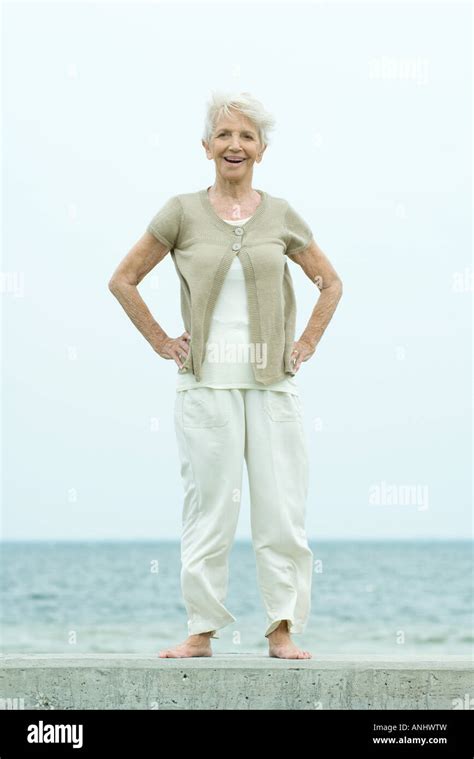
{"points": [[103, 111]]}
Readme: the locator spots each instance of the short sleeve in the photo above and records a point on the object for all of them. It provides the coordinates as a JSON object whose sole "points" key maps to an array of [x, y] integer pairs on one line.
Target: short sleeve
{"points": [[297, 232], [165, 224]]}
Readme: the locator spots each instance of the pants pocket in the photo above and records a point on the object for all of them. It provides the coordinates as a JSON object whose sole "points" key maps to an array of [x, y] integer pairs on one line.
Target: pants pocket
{"points": [[282, 406], [205, 407]]}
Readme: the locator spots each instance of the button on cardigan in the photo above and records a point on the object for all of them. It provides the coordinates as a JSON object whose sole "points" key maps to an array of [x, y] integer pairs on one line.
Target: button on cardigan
{"points": [[203, 246]]}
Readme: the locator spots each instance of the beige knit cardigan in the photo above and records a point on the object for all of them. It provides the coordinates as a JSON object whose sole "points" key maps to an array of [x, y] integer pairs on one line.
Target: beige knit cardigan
{"points": [[202, 247]]}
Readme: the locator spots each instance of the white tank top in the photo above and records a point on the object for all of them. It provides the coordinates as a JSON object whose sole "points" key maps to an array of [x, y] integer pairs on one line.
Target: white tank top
{"points": [[228, 353]]}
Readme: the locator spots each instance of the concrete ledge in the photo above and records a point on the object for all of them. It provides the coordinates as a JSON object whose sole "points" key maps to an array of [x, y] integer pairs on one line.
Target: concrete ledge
{"points": [[234, 681]]}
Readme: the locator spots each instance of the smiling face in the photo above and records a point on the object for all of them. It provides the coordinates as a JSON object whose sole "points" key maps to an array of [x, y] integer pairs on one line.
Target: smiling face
{"points": [[234, 146]]}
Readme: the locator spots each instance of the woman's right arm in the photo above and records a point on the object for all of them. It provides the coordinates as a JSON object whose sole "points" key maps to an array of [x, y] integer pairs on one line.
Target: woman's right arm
{"points": [[140, 260]]}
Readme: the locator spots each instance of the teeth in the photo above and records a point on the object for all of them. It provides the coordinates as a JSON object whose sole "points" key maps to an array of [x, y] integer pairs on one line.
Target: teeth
{"points": [[234, 160]]}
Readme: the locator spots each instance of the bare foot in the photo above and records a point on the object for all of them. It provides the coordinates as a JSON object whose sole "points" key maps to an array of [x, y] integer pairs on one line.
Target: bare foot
{"points": [[288, 651], [195, 645], [282, 647]]}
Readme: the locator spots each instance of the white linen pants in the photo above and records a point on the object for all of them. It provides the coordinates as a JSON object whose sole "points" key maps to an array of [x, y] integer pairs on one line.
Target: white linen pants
{"points": [[216, 429]]}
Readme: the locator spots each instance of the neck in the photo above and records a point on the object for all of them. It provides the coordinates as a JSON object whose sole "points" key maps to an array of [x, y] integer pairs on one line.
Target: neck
{"points": [[234, 192]]}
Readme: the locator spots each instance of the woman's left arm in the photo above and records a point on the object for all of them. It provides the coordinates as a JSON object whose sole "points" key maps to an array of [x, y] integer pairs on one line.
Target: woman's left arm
{"points": [[319, 269]]}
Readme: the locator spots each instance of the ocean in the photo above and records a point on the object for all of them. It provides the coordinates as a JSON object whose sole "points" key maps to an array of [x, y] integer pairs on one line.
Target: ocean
{"points": [[368, 597]]}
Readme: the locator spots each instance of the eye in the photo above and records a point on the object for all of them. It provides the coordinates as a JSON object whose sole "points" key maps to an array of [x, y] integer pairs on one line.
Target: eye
{"points": [[248, 136]]}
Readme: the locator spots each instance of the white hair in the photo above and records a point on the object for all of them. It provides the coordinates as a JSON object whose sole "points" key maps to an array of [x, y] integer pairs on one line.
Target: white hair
{"points": [[221, 102]]}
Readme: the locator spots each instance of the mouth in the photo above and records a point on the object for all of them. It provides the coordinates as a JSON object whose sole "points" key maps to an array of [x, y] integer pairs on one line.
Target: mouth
{"points": [[233, 160]]}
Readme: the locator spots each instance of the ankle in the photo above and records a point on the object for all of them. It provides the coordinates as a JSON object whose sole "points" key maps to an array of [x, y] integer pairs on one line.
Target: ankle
{"points": [[200, 637], [281, 631]]}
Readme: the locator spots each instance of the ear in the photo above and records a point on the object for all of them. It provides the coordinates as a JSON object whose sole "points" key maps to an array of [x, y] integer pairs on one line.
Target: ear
{"points": [[206, 148], [260, 154]]}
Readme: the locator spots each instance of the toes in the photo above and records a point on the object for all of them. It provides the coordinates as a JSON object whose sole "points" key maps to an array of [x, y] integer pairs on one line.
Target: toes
{"points": [[290, 653]]}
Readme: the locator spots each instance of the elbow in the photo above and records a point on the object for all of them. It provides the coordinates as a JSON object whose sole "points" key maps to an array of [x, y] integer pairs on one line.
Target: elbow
{"points": [[113, 285], [122, 280], [119, 284]]}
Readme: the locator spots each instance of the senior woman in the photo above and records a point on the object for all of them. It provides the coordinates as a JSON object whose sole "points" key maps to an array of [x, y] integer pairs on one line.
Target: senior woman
{"points": [[236, 393]]}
